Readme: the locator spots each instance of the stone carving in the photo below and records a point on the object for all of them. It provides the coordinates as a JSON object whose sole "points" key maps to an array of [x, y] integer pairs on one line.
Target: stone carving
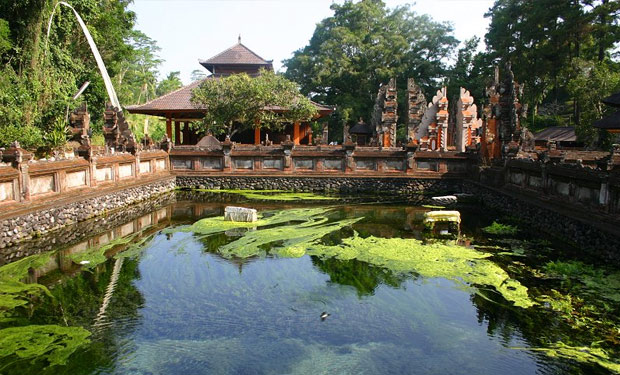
{"points": [[79, 123], [441, 131], [467, 122], [427, 133], [385, 116], [416, 107], [117, 132]]}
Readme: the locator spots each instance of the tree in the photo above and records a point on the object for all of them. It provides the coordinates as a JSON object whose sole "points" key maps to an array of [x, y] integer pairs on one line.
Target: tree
{"points": [[592, 82], [5, 37], [169, 84], [239, 102], [198, 75], [363, 45], [542, 39], [38, 77]]}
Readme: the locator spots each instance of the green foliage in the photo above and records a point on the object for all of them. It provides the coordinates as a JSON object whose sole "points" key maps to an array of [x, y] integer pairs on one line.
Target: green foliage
{"points": [[170, 83], [561, 50], [5, 37], [38, 78], [498, 229], [51, 343], [591, 82], [198, 74], [29, 137], [363, 45], [238, 102]]}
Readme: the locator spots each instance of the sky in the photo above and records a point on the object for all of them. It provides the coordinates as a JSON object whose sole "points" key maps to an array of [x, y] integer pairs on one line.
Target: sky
{"points": [[189, 30]]}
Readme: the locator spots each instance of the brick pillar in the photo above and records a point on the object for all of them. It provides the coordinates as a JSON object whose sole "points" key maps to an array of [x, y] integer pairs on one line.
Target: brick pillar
{"points": [[257, 135]]}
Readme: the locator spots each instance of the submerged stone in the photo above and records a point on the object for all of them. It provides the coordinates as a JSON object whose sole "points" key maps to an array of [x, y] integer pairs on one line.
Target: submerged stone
{"points": [[445, 200], [242, 214]]}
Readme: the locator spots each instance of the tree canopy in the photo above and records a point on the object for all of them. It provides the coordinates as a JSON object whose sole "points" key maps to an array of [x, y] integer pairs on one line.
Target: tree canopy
{"points": [[363, 45], [560, 50], [36, 83], [239, 102]]}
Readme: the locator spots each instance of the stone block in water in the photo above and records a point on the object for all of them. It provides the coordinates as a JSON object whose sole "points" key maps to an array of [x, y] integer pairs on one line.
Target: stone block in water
{"points": [[246, 215], [448, 216]]}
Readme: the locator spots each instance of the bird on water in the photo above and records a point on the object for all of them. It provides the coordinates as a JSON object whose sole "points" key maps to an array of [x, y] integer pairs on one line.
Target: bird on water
{"points": [[324, 315]]}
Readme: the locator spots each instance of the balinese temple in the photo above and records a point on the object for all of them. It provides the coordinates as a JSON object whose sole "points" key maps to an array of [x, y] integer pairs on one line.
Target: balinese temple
{"points": [[178, 110], [361, 133]]}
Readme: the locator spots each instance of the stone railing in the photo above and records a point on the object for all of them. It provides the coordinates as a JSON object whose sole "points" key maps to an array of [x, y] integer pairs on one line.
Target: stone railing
{"points": [[23, 179], [347, 159]]}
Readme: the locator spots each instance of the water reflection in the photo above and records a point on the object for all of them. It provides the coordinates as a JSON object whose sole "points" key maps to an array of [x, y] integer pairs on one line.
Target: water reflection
{"points": [[178, 306]]}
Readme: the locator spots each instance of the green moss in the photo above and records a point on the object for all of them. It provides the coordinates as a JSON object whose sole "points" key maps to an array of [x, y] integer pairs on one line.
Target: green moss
{"points": [[42, 342], [498, 229], [272, 195], [584, 354]]}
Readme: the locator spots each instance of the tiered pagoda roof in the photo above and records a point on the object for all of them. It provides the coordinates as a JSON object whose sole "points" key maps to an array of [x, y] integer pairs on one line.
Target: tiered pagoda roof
{"points": [[236, 59]]}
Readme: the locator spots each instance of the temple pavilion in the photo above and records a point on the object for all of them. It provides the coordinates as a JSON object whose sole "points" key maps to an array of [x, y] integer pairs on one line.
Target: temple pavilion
{"points": [[178, 110]]}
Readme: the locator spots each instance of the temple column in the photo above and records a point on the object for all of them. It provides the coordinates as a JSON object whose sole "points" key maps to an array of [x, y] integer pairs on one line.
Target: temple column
{"points": [[296, 133], [169, 127], [186, 140], [177, 133], [257, 135]]}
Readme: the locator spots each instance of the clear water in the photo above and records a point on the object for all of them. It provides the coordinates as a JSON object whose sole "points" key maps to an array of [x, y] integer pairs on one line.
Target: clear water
{"points": [[181, 308]]}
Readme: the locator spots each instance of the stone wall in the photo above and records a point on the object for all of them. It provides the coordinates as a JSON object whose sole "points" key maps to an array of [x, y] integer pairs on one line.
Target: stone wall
{"points": [[20, 228], [102, 225], [585, 234], [384, 185]]}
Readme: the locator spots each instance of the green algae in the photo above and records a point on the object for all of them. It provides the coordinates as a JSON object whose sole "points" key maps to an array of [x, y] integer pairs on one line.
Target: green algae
{"points": [[498, 229], [18, 270], [94, 256], [306, 227], [272, 195], [586, 279], [460, 264], [583, 354], [42, 342], [15, 293], [284, 241], [213, 225]]}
